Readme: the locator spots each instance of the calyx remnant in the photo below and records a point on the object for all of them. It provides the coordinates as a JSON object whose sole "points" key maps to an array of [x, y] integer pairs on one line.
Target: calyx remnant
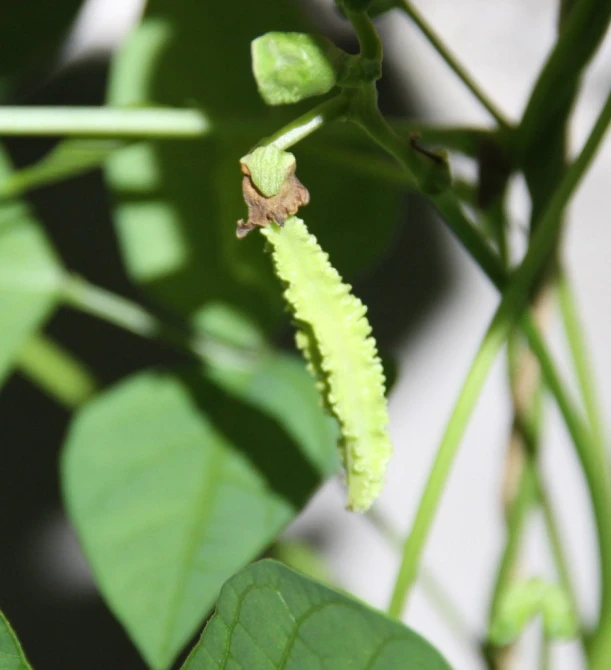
{"points": [[270, 197]]}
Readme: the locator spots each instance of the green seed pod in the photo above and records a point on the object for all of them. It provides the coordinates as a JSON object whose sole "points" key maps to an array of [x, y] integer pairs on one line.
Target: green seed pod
{"points": [[335, 337], [289, 67]]}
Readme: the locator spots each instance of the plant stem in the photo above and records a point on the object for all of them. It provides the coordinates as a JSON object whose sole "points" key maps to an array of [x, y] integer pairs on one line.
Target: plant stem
{"points": [[361, 163], [432, 587], [105, 122], [96, 301], [330, 110], [444, 459], [555, 543], [516, 519], [472, 238], [558, 82], [369, 41], [56, 370], [514, 297], [452, 62], [430, 170], [576, 340]]}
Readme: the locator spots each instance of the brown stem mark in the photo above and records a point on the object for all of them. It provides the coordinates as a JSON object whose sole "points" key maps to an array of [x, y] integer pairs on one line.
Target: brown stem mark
{"points": [[262, 210], [416, 146]]}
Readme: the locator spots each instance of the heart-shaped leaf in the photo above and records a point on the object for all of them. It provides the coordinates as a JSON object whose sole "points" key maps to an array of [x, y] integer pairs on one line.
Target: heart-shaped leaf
{"points": [[270, 617], [178, 201], [174, 484], [29, 275], [11, 654]]}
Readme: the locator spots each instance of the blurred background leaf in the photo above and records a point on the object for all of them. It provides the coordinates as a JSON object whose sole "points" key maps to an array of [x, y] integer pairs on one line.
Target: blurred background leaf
{"points": [[29, 275], [174, 484]]}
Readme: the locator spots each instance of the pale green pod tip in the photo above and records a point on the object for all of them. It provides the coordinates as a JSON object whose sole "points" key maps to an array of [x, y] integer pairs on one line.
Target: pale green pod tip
{"points": [[269, 167], [289, 67], [334, 336]]}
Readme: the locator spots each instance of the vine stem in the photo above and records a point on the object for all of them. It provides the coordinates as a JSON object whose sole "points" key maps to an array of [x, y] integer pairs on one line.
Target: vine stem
{"points": [[103, 122], [56, 370], [577, 346], [435, 591], [369, 41], [517, 517], [414, 544], [128, 315], [330, 110], [514, 297], [452, 62]]}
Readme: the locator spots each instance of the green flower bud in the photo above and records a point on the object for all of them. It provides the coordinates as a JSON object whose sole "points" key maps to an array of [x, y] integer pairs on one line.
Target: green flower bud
{"points": [[289, 67]]}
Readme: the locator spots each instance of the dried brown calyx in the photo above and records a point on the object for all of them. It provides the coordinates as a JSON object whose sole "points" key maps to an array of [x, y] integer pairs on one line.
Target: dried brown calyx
{"points": [[263, 209]]}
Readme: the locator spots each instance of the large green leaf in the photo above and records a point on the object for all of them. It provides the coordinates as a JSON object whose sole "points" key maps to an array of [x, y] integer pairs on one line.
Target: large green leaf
{"points": [[269, 616], [174, 484], [29, 275], [11, 654], [178, 201]]}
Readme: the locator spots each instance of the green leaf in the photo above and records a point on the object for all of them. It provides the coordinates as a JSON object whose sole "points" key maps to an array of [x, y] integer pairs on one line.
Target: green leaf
{"points": [[269, 616], [11, 654], [178, 201], [29, 275], [174, 484], [289, 67]]}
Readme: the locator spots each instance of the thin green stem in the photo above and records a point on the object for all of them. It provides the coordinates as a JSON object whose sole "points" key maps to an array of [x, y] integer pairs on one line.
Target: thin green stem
{"points": [[463, 139], [438, 596], [516, 520], [579, 354], [430, 170], [444, 459], [362, 163], [452, 62], [545, 659], [56, 371], [306, 124], [105, 122], [96, 301], [472, 238], [432, 587], [68, 159], [555, 543], [514, 298], [369, 40]]}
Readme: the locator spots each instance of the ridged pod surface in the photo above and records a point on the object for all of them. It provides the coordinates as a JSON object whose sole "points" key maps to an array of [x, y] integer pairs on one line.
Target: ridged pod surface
{"points": [[335, 337]]}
